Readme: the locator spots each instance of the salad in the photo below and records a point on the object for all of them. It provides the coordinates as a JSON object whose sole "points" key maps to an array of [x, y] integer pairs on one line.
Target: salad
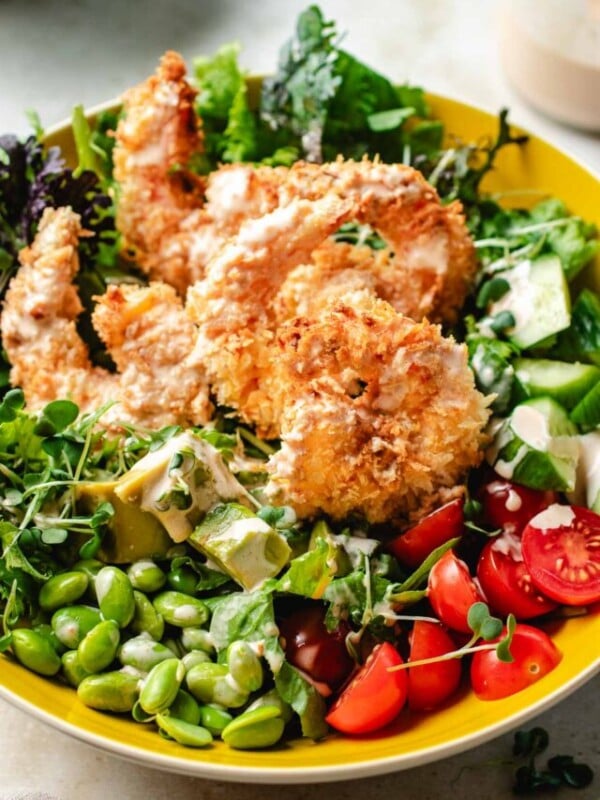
{"points": [[151, 563]]}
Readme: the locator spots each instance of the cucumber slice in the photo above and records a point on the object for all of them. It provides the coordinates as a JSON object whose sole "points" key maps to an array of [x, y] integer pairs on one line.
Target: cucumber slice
{"points": [[587, 489], [566, 383], [538, 299], [537, 446], [582, 339], [587, 412]]}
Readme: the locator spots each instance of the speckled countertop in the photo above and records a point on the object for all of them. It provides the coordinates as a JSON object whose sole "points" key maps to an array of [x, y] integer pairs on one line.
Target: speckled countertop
{"points": [[54, 54]]}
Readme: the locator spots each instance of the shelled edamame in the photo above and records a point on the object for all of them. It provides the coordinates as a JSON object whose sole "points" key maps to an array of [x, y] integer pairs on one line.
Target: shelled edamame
{"points": [[130, 646]]}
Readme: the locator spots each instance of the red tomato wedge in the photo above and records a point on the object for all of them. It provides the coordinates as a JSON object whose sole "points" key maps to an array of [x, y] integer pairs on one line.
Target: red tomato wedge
{"points": [[375, 696], [561, 549], [534, 654], [452, 591], [414, 545], [431, 684], [506, 582], [510, 506]]}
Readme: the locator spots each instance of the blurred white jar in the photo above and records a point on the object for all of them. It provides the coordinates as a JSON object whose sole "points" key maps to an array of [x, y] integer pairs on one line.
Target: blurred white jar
{"points": [[550, 50]]}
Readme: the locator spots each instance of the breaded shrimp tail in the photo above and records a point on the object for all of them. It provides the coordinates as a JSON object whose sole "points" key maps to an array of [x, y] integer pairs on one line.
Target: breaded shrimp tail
{"points": [[48, 357], [381, 417], [156, 139]]}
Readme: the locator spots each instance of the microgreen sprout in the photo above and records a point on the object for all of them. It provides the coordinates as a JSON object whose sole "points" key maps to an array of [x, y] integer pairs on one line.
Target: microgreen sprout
{"points": [[484, 627], [561, 770]]}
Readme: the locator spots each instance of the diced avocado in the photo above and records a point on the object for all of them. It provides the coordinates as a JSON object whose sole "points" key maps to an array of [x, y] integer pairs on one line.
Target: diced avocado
{"points": [[582, 339], [131, 534], [179, 483], [564, 382], [244, 546], [587, 411], [537, 446], [538, 299]]}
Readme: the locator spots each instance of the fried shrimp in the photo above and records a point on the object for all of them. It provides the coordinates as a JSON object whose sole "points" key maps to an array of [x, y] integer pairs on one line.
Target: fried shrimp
{"points": [[430, 261], [145, 329], [48, 357], [151, 339], [155, 140], [381, 419], [233, 305], [173, 220]]}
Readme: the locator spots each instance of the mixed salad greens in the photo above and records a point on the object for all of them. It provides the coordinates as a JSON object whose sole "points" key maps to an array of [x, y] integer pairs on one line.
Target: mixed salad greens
{"points": [[135, 566]]}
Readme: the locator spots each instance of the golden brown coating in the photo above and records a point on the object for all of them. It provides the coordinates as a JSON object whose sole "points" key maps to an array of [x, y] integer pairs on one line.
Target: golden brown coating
{"points": [[430, 262], [145, 329], [381, 418], [49, 360], [233, 305], [151, 339]]}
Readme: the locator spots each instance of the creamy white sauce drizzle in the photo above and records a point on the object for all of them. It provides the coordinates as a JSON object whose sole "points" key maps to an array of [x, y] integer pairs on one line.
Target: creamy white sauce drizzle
{"points": [[555, 516]]}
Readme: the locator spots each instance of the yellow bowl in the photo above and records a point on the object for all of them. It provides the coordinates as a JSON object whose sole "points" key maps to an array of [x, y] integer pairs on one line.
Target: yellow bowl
{"points": [[412, 739]]}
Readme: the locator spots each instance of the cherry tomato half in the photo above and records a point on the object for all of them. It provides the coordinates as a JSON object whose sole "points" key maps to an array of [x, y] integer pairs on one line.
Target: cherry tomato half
{"points": [[431, 684], [509, 506], [375, 696], [414, 545], [506, 582], [452, 591], [561, 549], [315, 650], [534, 654]]}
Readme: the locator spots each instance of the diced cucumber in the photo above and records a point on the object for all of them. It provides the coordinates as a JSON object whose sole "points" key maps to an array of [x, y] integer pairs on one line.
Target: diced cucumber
{"points": [[588, 472], [566, 383], [537, 446], [581, 340], [538, 299], [587, 411]]}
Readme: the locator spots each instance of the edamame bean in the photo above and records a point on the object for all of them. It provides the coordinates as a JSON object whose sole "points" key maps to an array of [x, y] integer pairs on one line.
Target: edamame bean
{"points": [[214, 718], [252, 730], [98, 648], [194, 657], [244, 666], [46, 630], [273, 698], [143, 652], [180, 610], [115, 595], [146, 576], [71, 624], [110, 691], [185, 707], [146, 618], [183, 732], [197, 639], [62, 590], [161, 686], [72, 669], [212, 683], [35, 651]]}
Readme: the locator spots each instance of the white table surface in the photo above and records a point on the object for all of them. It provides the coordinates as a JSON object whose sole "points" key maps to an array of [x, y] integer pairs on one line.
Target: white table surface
{"points": [[54, 54]]}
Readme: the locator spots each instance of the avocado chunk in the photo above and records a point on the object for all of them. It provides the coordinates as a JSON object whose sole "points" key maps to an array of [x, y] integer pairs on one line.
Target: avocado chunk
{"points": [[131, 534], [244, 546], [178, 483]]}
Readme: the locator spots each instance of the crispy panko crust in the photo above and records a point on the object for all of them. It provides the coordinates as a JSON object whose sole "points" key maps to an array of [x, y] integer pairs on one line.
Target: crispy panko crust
{"points": [[430, 262], [145, 329], [381, 417], [233, 307], [49, 360], [151, 339]]}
